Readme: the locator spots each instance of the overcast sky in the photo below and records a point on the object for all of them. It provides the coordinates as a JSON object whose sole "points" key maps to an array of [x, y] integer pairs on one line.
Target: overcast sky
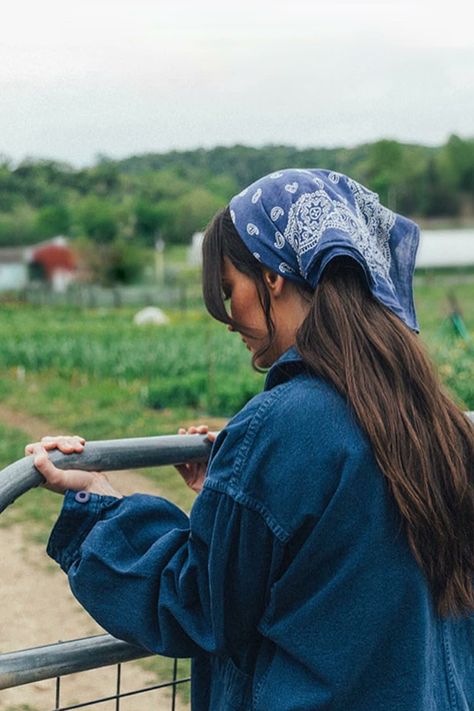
{"points": [[121, 77]]}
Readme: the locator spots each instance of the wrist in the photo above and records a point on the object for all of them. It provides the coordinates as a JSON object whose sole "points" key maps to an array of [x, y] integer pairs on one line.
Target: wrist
{"points": [[99, 484]]}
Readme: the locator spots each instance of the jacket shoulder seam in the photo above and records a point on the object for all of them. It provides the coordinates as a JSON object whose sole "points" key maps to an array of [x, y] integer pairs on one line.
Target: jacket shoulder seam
{"points": [[254, 426], [249, 502]]}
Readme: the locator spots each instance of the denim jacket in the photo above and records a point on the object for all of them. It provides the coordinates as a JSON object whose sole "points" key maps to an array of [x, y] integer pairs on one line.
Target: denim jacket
{"points": [[291, 583]]}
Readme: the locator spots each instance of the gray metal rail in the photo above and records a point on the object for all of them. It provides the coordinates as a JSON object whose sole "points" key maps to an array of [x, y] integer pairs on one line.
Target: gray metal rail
{"points": [[50, 661], [105, 455]]}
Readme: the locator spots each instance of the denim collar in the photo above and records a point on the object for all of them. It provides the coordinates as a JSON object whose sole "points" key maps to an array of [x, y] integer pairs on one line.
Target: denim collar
{"points": [[287, 366]]}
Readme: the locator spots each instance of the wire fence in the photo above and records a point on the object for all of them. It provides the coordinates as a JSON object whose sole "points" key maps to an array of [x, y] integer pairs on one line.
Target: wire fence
{"points": [[64, 658], [58, 660], [119, 694], [180, 294]]}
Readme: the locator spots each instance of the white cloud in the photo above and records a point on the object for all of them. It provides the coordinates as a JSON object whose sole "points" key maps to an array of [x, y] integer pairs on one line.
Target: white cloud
{"points": [[118, 76]]}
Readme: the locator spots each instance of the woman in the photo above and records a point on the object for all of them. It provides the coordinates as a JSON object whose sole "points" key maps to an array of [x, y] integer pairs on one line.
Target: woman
{"points": [[328, 560]]}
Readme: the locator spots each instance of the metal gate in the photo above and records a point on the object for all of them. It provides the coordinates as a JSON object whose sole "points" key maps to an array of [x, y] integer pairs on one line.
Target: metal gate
{"points": [[57, 660]]}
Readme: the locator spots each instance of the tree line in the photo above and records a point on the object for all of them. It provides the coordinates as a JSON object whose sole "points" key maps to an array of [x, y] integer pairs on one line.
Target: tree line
{"points": [[127, 205]]}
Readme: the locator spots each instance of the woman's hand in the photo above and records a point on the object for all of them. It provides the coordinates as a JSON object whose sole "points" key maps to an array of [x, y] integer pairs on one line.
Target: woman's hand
{"points": [[194, 473], [76, 479]]}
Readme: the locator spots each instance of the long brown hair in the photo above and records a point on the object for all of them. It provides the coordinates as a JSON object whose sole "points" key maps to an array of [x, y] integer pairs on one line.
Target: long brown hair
{"points": [[422, 440]]}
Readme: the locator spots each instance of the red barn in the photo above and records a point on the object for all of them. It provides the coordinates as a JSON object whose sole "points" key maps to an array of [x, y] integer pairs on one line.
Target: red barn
{"points": [[55, 261]]}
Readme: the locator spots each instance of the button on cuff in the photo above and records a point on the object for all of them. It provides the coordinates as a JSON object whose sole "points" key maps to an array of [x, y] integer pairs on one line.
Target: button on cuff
{"points": [[82, 497]]}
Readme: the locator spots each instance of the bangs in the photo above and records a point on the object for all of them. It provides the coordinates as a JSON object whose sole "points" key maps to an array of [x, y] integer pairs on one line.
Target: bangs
{"points": [[221, 240], [212, 267]]}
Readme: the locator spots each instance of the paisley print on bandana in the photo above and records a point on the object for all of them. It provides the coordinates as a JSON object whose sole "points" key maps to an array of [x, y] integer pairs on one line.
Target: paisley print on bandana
{"points": [[300, 219]]}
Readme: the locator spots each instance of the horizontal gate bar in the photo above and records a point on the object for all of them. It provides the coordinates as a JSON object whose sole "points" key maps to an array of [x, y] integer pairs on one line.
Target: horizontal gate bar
{"points": [[52, 660], [109, 455], [106, 455]]}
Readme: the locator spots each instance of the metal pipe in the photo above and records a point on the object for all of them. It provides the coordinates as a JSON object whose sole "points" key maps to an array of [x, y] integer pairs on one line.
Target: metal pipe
{"points": [[109, 455], [53, 660], [105, 455], [47, 662]]}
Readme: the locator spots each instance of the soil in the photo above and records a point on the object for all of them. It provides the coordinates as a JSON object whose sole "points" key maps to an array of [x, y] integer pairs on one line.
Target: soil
{"points": [[38, 608]]}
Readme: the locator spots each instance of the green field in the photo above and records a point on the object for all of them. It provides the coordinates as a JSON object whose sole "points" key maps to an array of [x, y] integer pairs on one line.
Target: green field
{"points": [[93, 372]]}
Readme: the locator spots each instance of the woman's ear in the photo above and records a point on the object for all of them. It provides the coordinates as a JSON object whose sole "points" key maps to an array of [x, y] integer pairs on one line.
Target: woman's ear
{"points": [[274, 282]]}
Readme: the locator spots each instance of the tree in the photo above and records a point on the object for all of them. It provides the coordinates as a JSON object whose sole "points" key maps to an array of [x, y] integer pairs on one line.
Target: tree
{"points": [[125, 263], [190, 213], [53, 220], [118, 262], [456, 160], [147, 220], [98, 219], [18, 226], [439, 196], [384, 170]]}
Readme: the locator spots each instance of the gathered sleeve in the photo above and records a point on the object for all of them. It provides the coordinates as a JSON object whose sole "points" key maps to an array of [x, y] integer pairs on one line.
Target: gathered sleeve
{"points": [[174, 584]]}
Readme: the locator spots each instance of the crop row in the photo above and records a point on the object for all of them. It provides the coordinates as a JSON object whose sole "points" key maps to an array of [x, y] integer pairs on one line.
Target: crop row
{"points": [[191, 362]]}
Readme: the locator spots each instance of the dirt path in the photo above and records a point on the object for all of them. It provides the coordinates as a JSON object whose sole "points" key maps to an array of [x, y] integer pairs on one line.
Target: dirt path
{"points": [[34, 427], [38, 608]]}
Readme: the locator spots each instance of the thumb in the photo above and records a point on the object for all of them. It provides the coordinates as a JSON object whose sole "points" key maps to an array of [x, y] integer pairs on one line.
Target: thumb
{"points": [[40, 460], [46, 467]]}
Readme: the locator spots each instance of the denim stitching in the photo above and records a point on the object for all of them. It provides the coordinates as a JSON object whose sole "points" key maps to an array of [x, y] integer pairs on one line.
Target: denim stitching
{"points": [[449, 668], [249, 502]]}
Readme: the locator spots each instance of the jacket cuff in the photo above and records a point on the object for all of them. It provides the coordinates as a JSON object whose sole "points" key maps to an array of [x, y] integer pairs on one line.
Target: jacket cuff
{"points": [[80, 511]]}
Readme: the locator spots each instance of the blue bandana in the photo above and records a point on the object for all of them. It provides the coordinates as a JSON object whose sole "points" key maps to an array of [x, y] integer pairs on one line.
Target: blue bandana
{"points": [[296, 221]]}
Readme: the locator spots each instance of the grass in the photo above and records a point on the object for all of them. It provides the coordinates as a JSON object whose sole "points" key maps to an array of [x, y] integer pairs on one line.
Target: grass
{"points": [[93, 372]]}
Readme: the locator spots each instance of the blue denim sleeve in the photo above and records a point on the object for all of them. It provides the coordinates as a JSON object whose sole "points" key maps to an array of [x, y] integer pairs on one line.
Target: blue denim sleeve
{"points": [[174, 584]]}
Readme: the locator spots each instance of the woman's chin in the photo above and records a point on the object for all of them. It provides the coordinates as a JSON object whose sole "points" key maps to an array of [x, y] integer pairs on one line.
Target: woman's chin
{"points": [[266, 360]]}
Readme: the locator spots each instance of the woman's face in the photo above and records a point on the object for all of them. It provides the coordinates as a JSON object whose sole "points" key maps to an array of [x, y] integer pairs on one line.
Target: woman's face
{"points": [[245, 308], [287, 306]]}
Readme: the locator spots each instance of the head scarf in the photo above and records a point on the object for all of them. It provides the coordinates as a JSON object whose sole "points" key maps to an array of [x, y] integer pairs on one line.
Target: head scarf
{"points": [[296, 221]]}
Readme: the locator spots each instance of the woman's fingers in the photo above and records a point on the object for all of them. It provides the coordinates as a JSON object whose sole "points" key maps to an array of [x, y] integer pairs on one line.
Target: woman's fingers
{"points": [[55, 478], [194, 473], [65, 443], [46, 466], [59, 480], [35, 448], [198, 429], [194, 429], [54, 438]]}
